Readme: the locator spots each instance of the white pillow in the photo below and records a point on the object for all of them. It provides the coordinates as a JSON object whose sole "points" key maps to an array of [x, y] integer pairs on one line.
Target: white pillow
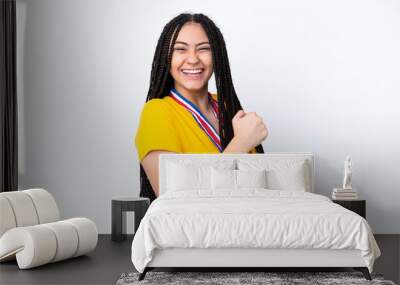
{"points": [[251, 178], [287, 179], [237, 179], [282, 174], [188, 175], [223, 179]]}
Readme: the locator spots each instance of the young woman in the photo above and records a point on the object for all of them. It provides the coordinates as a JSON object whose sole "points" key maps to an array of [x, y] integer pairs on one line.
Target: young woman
{"points": [[180, 115]]}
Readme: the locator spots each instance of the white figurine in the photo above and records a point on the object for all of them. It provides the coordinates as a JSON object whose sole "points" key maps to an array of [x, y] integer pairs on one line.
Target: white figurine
{"points": [[347, 173]]}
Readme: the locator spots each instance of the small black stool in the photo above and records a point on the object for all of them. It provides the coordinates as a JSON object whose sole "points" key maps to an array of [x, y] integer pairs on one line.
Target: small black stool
{"points": [[119, 207]]}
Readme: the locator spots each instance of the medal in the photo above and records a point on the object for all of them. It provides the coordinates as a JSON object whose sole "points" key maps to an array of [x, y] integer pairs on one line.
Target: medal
{"points": [[199, 117]]}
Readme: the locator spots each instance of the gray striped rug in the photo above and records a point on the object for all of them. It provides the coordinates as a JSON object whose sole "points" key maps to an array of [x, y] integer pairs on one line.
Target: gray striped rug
{"points": [[270, 278]]}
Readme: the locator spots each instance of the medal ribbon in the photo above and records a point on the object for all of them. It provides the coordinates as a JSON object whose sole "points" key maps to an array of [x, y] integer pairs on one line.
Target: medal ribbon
{"points": [[199, 117]]}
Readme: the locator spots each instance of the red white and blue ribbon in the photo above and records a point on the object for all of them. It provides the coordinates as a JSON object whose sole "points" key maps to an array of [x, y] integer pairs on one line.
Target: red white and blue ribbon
{"points": [[199, 117]]}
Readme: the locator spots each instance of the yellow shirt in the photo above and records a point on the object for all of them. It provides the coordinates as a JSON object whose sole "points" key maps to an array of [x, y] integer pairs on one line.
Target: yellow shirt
{"points": [[166, 125]]}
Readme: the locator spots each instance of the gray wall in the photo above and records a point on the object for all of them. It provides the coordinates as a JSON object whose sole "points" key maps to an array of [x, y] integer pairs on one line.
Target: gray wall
{"points": [[324, 75]]}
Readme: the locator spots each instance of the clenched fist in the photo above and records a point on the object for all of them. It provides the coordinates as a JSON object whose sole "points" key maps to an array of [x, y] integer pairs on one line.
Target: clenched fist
{"points": [[249, 129]]}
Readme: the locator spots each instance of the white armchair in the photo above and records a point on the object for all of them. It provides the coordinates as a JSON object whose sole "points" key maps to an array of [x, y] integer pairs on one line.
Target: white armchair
{"points": [[32, 233]]}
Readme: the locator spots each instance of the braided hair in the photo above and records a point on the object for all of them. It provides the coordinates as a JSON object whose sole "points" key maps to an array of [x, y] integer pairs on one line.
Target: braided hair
{"points": [[161, 80]]}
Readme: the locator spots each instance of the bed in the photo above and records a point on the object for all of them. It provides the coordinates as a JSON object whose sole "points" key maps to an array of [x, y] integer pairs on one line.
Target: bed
{"points": [[248, 210]]}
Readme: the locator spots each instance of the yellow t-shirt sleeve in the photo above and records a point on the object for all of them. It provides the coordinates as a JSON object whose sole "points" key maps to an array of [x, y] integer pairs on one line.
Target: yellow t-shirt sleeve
{"points": [[156, 129]]}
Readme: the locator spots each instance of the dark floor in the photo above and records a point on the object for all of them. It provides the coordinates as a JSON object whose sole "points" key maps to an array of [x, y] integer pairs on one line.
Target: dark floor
{"points": [[111, 259]]}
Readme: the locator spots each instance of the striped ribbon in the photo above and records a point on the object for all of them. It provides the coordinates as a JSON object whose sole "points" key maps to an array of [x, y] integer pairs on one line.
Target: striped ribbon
{"points": [[199, 117]]}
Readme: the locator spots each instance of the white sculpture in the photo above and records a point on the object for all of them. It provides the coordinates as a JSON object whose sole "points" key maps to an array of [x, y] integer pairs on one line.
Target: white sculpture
{"points": [[347, 173]]}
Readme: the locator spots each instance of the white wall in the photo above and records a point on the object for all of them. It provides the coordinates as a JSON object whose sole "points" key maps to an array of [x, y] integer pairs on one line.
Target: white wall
{"points": [[324, 75]]}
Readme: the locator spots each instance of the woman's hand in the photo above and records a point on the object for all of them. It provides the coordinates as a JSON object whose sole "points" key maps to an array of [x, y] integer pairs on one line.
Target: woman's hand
{"points": [[249, 130]]}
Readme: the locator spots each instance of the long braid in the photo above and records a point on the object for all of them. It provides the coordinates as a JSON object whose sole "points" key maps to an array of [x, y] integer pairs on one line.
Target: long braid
{"points": [[161, 80]]}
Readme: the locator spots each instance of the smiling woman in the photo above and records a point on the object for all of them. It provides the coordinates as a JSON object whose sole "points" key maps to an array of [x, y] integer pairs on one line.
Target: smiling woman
{"points": [[180, 114]]}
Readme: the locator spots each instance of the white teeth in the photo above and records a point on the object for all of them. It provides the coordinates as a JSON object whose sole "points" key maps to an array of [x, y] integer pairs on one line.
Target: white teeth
{"points": [[192, 71]]}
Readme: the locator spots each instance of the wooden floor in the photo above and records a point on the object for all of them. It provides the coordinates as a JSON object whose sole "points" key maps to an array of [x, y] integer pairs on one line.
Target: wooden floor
{"points": [[111, 259]]}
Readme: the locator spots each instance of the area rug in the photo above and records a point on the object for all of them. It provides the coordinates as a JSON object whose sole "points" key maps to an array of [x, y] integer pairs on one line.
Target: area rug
{"points": [[269, 278]]}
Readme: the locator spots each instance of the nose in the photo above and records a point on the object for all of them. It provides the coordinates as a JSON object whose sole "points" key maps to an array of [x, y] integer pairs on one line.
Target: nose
{"points": [[192, 57]]}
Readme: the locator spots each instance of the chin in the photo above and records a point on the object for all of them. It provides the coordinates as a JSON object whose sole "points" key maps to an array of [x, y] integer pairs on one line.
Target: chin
{"points": [[194, 87]]}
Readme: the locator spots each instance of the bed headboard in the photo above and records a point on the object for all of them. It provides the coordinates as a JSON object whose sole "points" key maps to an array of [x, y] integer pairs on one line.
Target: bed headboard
{"points": [[203, 158]]}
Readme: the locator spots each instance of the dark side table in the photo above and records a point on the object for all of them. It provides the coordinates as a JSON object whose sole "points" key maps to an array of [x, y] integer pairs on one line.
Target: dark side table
{"points": [[357, 206], [119, 207]]}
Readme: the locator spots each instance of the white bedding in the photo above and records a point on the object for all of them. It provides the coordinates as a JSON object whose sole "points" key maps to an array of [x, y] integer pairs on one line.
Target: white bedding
{"points": [[250, 218]]}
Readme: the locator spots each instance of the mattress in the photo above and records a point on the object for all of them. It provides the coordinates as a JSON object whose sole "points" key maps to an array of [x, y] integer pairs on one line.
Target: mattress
{"points": [[251, 219]]}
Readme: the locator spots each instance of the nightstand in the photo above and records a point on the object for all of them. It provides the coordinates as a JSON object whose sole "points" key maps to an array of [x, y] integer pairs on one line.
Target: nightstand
{"points": [[357, 206]]}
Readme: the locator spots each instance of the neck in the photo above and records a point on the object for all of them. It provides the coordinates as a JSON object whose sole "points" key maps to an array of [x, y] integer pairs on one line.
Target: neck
{"points": [[197, 97]]}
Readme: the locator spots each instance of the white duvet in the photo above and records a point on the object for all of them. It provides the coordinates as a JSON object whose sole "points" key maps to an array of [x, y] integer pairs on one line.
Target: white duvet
{"points": [[251, 218]]}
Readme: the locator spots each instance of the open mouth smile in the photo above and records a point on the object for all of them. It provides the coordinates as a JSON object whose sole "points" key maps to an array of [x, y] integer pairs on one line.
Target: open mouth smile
{"points": [[192, 73]]}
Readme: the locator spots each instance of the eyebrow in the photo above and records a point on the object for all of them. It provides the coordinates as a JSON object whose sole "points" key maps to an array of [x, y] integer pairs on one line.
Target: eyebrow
{"points": [[178, 42]]}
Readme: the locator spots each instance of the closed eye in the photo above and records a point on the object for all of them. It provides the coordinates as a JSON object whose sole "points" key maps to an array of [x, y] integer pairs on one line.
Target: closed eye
{"points": [[204, 48]]}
